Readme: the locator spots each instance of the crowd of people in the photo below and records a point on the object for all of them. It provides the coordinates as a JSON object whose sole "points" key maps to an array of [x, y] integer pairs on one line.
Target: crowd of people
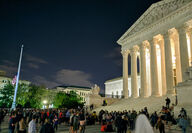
{"points": [[122, 121], [47, 120]]}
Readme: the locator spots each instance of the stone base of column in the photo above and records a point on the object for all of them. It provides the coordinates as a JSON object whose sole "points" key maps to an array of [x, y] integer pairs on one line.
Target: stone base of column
{"points": [[171, 92], [145, 96], [135, 96], [156, 94]]}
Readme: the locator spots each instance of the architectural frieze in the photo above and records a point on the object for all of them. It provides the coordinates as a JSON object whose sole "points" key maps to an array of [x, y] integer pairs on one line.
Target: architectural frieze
{"points": [[156, 28], [155, 12]]}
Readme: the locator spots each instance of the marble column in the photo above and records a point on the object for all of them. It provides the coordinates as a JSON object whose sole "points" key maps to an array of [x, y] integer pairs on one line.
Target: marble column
{"points": [[168, 64], [178, 59], [154, 74], [190, 38], [144, 91], [163, 76], [125, 73], [134, 72], [183, 52]]}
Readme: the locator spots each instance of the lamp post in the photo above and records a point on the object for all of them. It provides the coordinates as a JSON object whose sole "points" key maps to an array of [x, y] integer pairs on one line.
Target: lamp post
{"points": [[45, 103]]}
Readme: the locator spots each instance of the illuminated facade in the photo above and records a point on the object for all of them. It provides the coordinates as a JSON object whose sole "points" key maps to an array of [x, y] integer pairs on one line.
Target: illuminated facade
{"points": [[162, 40], [81, 91], [114, 87], [4, 79]]}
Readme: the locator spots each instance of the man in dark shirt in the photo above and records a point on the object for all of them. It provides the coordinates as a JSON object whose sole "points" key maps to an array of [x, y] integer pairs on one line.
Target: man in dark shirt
{"points": [[167, 102], [12, 123]]}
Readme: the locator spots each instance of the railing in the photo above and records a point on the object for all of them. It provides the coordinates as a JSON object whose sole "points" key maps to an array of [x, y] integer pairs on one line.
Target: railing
{"points": [[112, 96]]}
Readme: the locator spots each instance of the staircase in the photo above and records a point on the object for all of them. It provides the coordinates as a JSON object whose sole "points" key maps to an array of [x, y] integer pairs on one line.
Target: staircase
{"points": [[152, 103]]}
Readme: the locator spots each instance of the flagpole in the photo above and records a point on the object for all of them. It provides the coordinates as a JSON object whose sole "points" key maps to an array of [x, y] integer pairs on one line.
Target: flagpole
{"points": [[17, 80]]}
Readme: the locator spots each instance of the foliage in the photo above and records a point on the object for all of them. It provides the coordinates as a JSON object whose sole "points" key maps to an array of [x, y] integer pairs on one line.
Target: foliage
{"points": [[28, 96], [6, 95], [32, 96], [64, 100]]}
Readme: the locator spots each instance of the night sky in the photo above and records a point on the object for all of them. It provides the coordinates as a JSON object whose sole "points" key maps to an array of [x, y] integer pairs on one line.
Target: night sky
{"points": [[66, 42]]}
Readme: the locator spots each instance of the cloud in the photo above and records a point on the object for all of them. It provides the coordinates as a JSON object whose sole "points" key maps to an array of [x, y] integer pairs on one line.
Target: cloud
{"points": [[7, 62], [9, 67], [73, 77], [35, 59], [115, 54], [39, 80], [32, 65], [10, 70], [65, 76]]}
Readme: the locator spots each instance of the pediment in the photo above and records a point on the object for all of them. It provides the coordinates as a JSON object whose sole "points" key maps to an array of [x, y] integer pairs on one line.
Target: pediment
{"points": [[154, 13]]}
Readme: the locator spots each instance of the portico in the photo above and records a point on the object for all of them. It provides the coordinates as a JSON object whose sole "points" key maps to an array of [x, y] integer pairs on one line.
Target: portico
{"points": [[162, 39]]}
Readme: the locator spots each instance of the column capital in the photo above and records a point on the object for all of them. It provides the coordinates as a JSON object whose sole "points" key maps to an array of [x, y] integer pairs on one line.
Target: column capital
{"points": [[189, 31], [125, 53], [143, 45], [167, 34], [182, 28], [134, 50], [153, 41], [170, 32]]}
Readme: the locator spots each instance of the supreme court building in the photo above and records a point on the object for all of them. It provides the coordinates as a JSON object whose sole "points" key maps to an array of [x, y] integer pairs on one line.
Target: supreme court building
{"points": [[162, 41]]}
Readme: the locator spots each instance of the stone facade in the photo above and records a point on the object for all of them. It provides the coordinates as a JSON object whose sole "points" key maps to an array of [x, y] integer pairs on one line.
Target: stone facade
{"points": [[81, 91], [114, 87], [162, 40], [4, 80]]}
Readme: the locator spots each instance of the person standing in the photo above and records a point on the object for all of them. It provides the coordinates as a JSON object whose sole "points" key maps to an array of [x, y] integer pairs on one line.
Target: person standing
{"points": [[32, 125], [168, 101], [183, 123], [183, 112], [75, 123], [161, 125], [12, 122], [124, 124], [55, 122], [22, 126], [118, 123], [82, 122], [71, 122], [47, 127]]}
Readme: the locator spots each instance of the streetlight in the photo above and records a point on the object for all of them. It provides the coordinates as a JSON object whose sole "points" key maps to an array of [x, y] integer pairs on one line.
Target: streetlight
{"points": [[44, 103]]}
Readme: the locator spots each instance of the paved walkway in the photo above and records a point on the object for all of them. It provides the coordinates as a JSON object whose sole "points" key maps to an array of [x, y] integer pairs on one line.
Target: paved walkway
{"points": [[89, 129]]}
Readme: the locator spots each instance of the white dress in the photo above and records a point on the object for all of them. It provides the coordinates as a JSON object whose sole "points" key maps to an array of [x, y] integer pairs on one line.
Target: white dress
{"points": [[143, 125]]}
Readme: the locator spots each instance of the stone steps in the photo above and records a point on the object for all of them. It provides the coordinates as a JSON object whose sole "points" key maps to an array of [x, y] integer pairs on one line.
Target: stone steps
{"points": [[152, 103]]}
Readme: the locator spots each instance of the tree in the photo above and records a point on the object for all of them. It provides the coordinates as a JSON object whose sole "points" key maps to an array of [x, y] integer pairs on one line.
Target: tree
{"points": [[22, 94], [6, 95], [28, 95], [32, 96], [58, 100], [64, 100]]}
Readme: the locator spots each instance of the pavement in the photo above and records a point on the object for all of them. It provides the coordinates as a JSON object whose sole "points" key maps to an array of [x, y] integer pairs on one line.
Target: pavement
{"points": [[90, 129]]}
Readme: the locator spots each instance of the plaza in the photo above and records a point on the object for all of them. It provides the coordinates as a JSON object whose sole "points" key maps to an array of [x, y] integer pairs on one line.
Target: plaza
{"points": [[92, 129]]}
